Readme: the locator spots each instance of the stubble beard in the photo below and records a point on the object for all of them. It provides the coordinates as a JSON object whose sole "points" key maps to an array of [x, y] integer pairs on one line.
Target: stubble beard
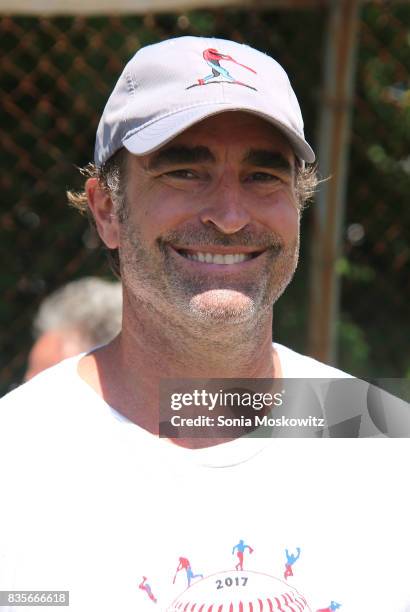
{"points": [[155, 279]]}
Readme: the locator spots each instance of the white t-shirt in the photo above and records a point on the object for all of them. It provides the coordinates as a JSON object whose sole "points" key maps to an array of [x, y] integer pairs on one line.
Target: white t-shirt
{"points": [[91, 504]]}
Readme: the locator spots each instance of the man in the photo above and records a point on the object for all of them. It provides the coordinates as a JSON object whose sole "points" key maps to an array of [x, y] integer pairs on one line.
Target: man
{"points": [[146, 587], [184, 564], [241, 547], [197, 193], [78, 317], [290, 560]]}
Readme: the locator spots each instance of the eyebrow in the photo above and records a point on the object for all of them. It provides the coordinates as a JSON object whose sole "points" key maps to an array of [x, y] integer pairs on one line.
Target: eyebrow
{"points": [[268, 159], [180, 155]]}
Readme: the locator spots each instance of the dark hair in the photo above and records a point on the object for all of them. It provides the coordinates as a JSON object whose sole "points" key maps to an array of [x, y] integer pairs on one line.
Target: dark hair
{"points": [[112, 176]]}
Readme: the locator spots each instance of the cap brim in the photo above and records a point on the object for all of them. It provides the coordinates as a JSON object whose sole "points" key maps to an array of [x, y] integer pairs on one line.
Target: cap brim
{"points": [[158, 133]]}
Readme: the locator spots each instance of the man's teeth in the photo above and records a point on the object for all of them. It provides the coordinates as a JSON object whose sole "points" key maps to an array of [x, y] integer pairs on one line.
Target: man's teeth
{"points": [[218, 258]]}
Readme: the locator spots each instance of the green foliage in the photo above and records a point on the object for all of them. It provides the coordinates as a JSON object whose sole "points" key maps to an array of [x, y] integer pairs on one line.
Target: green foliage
{"points": [[376, 283], [353, 348]]}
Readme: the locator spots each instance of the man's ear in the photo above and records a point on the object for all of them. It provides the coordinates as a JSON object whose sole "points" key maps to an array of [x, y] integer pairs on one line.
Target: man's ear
{"points": [[102, 208]]}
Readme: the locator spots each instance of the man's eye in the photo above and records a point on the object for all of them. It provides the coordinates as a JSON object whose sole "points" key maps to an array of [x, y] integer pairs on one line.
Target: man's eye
{"points": [[262, 177], [183, 174]]}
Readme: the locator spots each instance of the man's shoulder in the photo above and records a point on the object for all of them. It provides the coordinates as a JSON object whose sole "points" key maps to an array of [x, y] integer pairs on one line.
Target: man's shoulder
{"points": [[296, 365], [54, 385], [49, 412]]}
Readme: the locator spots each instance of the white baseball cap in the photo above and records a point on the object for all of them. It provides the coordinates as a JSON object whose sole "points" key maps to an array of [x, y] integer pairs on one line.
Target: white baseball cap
{"points": [[169, 86]]}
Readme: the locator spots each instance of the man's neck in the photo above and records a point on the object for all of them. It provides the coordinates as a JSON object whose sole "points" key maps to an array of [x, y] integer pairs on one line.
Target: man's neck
{"points": [[127, 372]]}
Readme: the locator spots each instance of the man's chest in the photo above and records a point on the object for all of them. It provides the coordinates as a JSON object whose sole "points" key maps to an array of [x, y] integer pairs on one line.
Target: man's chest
{"points": [[140, 533]]}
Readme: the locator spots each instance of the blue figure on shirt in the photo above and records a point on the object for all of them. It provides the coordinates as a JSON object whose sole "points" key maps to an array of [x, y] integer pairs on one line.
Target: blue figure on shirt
{"points": [[240, 547], [290, 560]]}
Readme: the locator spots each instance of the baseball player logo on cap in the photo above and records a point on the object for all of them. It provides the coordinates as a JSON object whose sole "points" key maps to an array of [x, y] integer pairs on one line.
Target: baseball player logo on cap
{"points": [[219, 73]]}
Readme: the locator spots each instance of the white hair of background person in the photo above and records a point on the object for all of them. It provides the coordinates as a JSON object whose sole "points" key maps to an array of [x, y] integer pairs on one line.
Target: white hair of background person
{"points": [[90, 305]]}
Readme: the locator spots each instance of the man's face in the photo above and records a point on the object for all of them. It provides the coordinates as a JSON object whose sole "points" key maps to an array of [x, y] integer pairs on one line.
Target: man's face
{"points": [[211, 229]]}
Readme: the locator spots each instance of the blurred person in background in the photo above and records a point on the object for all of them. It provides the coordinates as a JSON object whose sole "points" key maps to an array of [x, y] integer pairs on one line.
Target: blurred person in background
{"points": [[75, 318]]}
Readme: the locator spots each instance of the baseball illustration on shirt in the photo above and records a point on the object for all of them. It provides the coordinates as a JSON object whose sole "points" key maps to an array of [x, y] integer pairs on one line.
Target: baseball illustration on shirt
{"points": [[241, 547], [184, 564], [144, 586], [290, 560], [237, 590]]}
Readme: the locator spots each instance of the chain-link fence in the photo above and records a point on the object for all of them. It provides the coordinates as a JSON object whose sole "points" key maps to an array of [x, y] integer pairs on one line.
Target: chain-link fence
{"points": [[55, 77], [376, 262]]}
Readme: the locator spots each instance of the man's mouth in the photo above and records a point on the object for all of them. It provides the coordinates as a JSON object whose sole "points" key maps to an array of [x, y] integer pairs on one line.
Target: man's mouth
{"points": [[221, 259], [217, 258]]}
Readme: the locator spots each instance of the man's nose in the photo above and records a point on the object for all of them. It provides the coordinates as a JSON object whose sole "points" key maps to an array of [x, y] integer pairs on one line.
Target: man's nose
{"points": [[226, 207]]}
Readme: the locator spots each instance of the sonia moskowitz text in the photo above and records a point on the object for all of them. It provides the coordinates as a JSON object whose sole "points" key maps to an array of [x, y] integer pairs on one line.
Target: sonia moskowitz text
{"points": [[256, 421]]}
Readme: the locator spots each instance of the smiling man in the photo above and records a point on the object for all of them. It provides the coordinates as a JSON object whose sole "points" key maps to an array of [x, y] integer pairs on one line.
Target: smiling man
{"points": [[196, 191], [208, 239]]}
